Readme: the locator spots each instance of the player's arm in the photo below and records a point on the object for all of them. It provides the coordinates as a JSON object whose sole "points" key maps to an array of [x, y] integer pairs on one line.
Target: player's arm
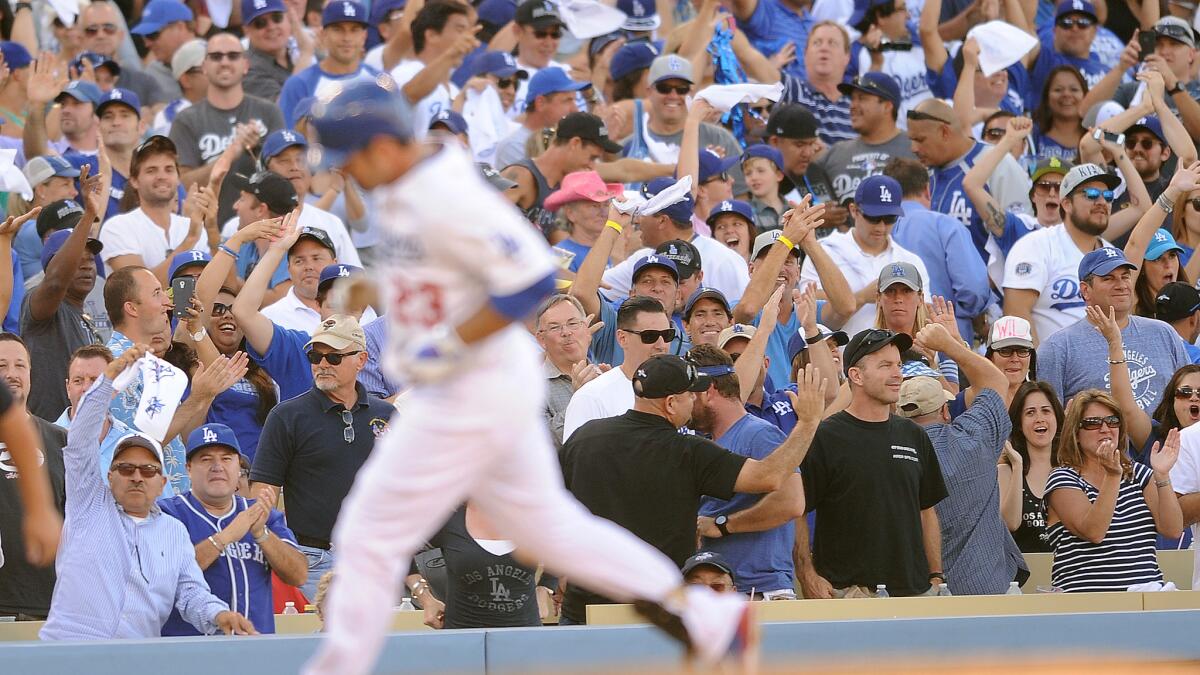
{"points": [[931, 531], [773, 510], [770, 473]]}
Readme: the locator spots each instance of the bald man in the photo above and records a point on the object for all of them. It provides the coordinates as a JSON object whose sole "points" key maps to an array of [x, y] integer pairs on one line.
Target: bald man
{"points": [[946, 148]]}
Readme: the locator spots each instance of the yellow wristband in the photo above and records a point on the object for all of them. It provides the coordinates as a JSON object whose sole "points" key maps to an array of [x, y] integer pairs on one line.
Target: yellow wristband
{"points": [[615, 225], [786, 242]]}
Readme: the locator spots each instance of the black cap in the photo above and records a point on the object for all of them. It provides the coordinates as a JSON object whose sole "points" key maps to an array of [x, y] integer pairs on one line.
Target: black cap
{"points": [[664, 375], [709, 558], [60, 215], [271, 189], [792, 121], [1176, 301], [685, 255], [537, 13], [318, 235], [588, 127], [870, 341]]}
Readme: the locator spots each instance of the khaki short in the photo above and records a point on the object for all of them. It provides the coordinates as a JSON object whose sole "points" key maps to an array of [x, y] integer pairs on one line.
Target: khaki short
{"points": [[865, 592]]}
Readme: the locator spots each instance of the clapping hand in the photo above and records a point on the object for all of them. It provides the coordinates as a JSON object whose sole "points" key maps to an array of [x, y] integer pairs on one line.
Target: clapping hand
{"points": [[809, 398], [1163, 457], [219, 375], [1186, 180]]}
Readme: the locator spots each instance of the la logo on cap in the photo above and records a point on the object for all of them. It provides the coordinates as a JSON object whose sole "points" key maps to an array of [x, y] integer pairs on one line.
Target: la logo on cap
{"points": [[897, 271], [348, 9], [1078, 5], [885, 195], [114, 95], [289, 137], [343, 271], [675, 63], [260, 4], [651, 259], [638, 10], [210, 436], [1111, 252], [1160, 236], [726, 206]]}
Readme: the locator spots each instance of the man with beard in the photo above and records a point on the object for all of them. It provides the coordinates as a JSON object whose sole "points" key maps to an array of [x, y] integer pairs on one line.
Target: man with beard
{"points": [[268, 25], [1041, 272]]}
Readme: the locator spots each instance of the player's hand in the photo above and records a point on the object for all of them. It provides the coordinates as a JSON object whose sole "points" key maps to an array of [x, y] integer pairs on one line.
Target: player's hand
{"points": [[435, 612], [433, 356], [42, 529], [232, 623]]}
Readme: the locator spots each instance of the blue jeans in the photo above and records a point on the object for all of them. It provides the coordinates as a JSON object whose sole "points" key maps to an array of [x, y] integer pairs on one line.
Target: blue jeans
{"points": [[320, 561]]}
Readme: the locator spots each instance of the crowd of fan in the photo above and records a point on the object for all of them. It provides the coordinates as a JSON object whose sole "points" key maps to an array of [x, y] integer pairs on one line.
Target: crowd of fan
{"points": [[902, 270]]}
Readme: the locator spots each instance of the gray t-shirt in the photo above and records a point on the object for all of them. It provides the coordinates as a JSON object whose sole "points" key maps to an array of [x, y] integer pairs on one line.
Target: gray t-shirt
{"points": [[167, 86], [51, 343], [846, 163], [511, 148], [1075, 359], [202, 132], [147, 90]]}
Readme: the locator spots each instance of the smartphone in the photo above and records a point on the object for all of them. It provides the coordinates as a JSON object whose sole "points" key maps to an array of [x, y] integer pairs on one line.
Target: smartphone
{"points": [[182, 290], [1109, 136], [895, 46], [1147, 41]]}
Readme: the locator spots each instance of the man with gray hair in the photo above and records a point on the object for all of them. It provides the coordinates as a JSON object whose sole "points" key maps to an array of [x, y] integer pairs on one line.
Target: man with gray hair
{"points": [[562, 330]]}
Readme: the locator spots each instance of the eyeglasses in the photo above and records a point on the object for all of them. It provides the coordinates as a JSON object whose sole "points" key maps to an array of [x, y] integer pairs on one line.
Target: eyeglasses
{"points": [[995, 133], [261, 22], [1092, 194], [146, 470], [723, 177], [1186, 392], [1145, 143], [649, 337], [1093, 423], [1008, 352], [543, 34], [665, 89], [334, 358], [108, 28], [1047, 185], [568, 327], [506, 82], [1080, 22], [886, 220], [348, 432], [221, 309], [917, 115], [224, 56]]}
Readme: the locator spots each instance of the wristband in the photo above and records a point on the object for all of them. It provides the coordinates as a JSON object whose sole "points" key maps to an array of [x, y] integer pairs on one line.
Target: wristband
{"points": [[1165, 204], [814, 339], [615, 225], [939, 575], [1114, 362], [225, 249], [213, 540], [785, 241], [1162, 483]]}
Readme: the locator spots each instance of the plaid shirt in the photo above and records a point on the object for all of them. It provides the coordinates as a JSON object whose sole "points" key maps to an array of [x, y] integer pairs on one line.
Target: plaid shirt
{"points": [[558, 394]]}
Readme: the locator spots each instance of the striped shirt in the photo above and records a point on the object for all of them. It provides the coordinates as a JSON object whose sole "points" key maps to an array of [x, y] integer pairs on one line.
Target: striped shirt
{"points": [[117, 577], [1125, 557], [833, 117]]}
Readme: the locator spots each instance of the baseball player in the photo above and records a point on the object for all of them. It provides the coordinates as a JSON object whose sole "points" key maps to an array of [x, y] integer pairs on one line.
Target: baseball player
{"points": [[464, 269]]}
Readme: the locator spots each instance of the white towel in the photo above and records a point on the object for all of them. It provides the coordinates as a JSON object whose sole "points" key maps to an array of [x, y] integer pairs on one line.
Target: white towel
{"points": [[1000, 45], [220, 11], [487, 123], [678, 192], [66, 10], [587, 19], [724, 96], [1152, 587], [162, 389], [11, 178]]}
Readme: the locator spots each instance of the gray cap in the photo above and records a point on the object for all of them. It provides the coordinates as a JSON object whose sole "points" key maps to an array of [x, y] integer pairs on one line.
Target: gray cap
{"points": [[900, 273], [1176, 29], [763, 242], [189, 55], [670, 67], [1084, 173]]}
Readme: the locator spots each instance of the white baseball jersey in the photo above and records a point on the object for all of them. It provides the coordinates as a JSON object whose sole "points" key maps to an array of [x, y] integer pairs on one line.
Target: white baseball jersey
{"points": [[1047, 261], [453, 242], [1186, 477]]}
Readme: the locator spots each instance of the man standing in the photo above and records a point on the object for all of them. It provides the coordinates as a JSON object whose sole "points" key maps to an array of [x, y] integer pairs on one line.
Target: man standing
{"points": [[873, 478], [343, 38], [792, 130], [874, 102], [538, 30], [826, 57], [238, 542], [561, 329], [165, 27], [441, 37]]}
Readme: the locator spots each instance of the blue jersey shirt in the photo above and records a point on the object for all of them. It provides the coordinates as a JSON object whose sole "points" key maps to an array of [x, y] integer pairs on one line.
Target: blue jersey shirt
{"points": [[949, 197], [312, 81], [247, 259], [237, 408], [761, 560], [772, 25], [943, 84], [286, 361], [240, 576]]}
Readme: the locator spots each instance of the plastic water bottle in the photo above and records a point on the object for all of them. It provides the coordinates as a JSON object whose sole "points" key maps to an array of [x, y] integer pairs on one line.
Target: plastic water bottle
{"points": [[1013, 589], [943, 590], [290, 608], [881, 591], [406, 605]]}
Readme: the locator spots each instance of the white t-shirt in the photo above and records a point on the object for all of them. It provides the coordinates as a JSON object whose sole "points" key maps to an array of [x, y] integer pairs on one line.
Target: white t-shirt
{"points": [[1047, 261], [311, 216], [608, 395], [1185, 479], [862, 269], [427, 108], [723, 269], [134, 233]]}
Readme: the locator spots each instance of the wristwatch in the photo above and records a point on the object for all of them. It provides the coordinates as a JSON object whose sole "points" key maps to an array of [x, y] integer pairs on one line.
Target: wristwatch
{"points": [[814, 339], [721, 522], [1176, 89], [199, 335]]}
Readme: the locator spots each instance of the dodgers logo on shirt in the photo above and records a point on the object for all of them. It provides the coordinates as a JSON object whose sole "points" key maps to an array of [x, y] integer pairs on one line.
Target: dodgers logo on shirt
{"points": [[6, 463], [1141, 378], [1065, 291], [1024, 269], [378, 426]]}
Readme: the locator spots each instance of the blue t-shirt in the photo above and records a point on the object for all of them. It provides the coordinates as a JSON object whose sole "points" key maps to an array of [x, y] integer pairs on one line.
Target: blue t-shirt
{"points": [[760, 560], [28, 246], [247, 260], [773, 25], [286, 362], [240, 575], [776, 408], [313, 81], [1014, 229], [948, 196], [780, 370], [1045, 147], [580, 251], [237, 408], [1193, 351]]}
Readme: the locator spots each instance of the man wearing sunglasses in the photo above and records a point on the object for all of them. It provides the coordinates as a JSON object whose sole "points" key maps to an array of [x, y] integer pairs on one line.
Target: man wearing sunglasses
{"points": [[1075, 26], [165, 27], [1150, 152], [118, 538], [104, 34], [538, 29], [314, 444], [269, 27]]}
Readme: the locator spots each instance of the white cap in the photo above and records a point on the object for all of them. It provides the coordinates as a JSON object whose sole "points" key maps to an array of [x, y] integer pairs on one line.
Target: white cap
{"points": [[1010, 331], [141, 440], [189, 55]]}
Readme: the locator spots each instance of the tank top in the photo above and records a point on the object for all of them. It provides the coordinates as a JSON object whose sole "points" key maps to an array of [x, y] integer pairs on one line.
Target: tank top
{"points": [[1031, 536], [537, 213]]}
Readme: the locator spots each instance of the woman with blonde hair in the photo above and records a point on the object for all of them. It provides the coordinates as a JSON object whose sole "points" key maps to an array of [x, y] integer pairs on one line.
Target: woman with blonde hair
{"points": [[900, 307], [1102, 510]]}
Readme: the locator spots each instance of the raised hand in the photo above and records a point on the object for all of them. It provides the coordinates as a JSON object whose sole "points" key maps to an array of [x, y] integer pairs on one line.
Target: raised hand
{"points": [[809, 398], [935, 338], [1186, 180], [90, 187], [289, 232], [1155, 84], [124, 361], [12, 224], [1163, 457], [970, 52], [942, 312], [268, 230], [584, 372], [803, 219], [1010, 456], [1019, 128], [784, 56], [47, 79], [1105, 323], [770, 315], [805, 303], [219, 375]]}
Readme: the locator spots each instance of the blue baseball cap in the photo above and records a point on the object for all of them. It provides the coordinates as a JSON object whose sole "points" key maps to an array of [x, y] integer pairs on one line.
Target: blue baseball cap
{"points": [[497, 12], [159, 14], [641, 15], [703, 293], [680, 212], [380, 9], [1160, 243], [1103, 261], [655, 260], [252, 9], [1075, 7], [551, 81], [187, 259], [357, 114], [344, 11], [500, 64], [737, 206], [15, 55], [1149, 123], [874, 83], [633, 56], [210, 434], [98, 61], [56, 240], [766, 152], [82, 91], [337, 271], [453, 121], [862, 8], [879, 196], [712, 164], [119, 96], [279, 140]]}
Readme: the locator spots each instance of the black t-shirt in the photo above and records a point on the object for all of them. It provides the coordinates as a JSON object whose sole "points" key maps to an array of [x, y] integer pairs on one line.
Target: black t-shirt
{"points": [[869, 482], [24, 588], [638, 471]]}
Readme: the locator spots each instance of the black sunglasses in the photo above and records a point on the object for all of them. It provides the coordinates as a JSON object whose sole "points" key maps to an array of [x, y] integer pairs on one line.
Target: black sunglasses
{"points": [[1093, 423], [224, 56], [886, 220], [1077, 22], [1186, 391], [146, 470], [665, 89], [649, 337], [1146, 143], [543, 34], [261, 22], [1047, 185], [506, 82], [1008, 352], [723, 177], [334, 358], [221, 309], [919, 116]]}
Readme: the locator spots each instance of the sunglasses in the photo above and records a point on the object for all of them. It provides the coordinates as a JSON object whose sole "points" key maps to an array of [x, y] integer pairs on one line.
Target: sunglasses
{"points": [[261, 22], [875, 220], [995, 133], [146, 470], [1080, 22], [665, 89], [1092, 194], [334, 358], [1195, 202], [1186, 392], [1047, 185], [1145, 143], [923, 116], [224, 56], [761, 112], [348, 432], [505, 83], [108, 28], [1093, 423], [723, 177], [649, 337], [1008, 352], [221, 309], [543, 34]]}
